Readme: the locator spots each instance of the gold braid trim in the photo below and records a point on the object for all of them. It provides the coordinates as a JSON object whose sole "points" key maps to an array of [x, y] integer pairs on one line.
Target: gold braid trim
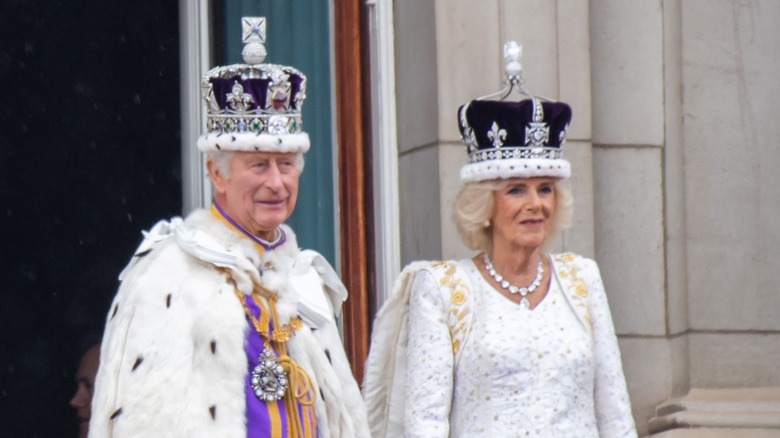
{"points": [[300, 389]]}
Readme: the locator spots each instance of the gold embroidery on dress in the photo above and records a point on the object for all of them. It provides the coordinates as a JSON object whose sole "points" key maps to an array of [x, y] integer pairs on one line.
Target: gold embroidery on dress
{"points": [[570, 273], [458, 310]]}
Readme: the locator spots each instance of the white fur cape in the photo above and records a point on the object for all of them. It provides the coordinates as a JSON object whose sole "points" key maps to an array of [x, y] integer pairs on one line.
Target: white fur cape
{"points": [[172, 361]]}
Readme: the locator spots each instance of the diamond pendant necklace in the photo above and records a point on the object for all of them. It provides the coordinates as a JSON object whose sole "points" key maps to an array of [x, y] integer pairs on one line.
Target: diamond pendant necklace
{"points": [[269, 380], [523, 291]]}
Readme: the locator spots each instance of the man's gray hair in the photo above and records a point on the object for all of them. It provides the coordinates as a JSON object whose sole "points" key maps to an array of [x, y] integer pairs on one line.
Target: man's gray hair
{"points": [[222, 159]]}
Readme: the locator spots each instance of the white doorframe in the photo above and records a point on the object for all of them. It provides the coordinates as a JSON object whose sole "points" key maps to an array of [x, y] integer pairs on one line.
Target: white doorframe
{"points": [[194, 61], [385, 147]]}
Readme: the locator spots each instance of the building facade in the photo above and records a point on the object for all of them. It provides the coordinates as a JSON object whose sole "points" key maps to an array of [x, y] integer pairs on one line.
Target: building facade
{"points": [[673, 162], [674, 158]]}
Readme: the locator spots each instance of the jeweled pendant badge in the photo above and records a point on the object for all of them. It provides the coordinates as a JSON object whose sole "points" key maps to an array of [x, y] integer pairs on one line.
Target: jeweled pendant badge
{"points": [[268, 379]]}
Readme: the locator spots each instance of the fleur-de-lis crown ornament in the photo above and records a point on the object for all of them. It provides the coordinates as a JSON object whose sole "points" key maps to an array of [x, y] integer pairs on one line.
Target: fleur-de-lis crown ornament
{"points": [[506, 139], [254, 106]]}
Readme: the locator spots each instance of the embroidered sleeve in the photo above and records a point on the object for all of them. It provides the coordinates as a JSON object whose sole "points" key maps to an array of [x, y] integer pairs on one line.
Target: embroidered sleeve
{"points": [[429, 372], [613, 408], [568, 268], [454, 295]]}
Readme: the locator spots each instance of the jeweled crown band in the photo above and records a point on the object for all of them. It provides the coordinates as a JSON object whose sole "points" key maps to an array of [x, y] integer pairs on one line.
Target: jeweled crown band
{"points": [[518, 152], [272, 124]]}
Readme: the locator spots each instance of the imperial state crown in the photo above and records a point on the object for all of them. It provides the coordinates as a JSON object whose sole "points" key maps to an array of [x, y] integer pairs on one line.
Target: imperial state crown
{"points": [[254, 106]]}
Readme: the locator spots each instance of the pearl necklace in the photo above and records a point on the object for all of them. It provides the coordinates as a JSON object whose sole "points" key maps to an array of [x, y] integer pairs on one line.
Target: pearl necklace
{"points": [[523, 291]]}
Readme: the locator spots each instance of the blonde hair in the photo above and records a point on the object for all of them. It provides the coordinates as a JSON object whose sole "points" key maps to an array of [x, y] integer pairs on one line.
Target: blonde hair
{"points": [[474, 206]]}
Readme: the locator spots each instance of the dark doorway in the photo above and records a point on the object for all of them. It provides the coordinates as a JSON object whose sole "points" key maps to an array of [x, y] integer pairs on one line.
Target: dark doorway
{"points": [[90, 156]]}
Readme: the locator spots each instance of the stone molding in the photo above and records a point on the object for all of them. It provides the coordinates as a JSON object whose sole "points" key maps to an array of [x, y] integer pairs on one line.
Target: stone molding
{"points": [[729, 412]]}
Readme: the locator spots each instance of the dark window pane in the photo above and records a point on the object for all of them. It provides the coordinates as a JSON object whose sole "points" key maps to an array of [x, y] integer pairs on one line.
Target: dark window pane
{"points": [[89, 152]]}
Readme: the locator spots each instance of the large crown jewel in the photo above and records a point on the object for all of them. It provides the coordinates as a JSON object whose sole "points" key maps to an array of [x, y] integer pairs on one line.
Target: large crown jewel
{"points": [[506, 139], [254, 106], [537, 132]]}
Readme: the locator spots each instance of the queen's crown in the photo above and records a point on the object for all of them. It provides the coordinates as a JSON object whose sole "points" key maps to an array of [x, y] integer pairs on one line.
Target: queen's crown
{"points": [[506, 138]]}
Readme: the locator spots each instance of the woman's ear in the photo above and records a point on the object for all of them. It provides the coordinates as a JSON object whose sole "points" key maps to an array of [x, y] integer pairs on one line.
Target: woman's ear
{"points": [[219, 180]]}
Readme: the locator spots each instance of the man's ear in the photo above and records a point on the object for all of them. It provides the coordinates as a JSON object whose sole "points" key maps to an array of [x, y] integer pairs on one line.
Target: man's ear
{"points": [[219, 180]]}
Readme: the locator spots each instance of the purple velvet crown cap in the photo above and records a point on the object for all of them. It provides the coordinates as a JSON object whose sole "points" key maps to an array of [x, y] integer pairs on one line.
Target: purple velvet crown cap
{"points": [[507, 139], [258, 88], [254, 107]]}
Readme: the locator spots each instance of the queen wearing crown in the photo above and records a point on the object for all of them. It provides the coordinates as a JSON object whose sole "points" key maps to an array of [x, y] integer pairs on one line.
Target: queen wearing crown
{"points": [[514, 341], [221, 326]]}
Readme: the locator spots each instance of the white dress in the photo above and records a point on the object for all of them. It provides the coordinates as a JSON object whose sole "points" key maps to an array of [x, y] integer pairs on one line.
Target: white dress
{"points": [[519, 372]]}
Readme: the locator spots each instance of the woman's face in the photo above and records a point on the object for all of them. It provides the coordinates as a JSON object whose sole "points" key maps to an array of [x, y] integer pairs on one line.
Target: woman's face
{"points": [[523, 212]]}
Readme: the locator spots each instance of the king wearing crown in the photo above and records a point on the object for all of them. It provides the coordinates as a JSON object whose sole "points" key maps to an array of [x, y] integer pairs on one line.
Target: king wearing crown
{"points": [[221, 326]]}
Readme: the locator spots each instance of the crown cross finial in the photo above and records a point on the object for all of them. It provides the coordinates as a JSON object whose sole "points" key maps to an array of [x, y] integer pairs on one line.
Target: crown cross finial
{"points": [[253, 29], [253, 36]]}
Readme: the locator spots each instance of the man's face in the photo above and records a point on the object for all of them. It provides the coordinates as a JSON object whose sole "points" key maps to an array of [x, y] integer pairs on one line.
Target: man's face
{"points": [[260, 191], [85, 382]]}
